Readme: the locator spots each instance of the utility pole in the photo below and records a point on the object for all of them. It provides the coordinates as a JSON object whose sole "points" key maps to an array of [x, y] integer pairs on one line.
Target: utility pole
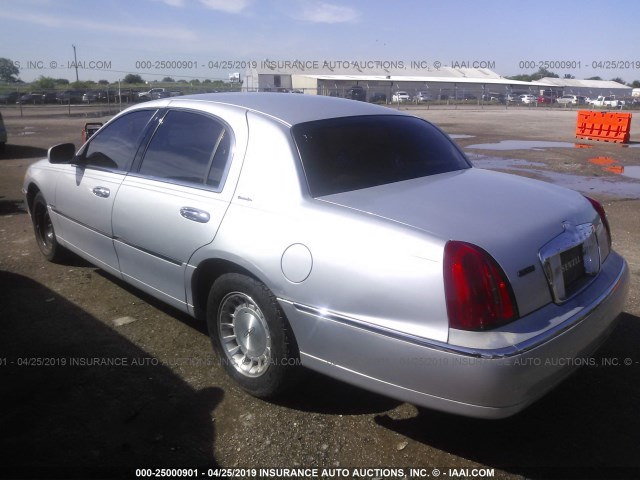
{"points": [[75, 62]]}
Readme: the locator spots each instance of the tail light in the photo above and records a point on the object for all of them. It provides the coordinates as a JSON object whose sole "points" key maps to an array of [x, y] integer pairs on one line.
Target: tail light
{"points": [[477, 291], [603, 216]]}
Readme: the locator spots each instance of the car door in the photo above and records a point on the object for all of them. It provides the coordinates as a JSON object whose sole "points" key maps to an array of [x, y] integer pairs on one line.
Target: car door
{"points": [[86, 190], [174, 203]]}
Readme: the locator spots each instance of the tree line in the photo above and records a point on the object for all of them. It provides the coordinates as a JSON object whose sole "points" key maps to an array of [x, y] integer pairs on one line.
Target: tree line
{"points": [[9, 74]]}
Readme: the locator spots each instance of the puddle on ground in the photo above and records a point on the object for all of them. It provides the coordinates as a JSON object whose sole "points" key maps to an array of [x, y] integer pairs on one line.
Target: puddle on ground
{"points": [[483, 161], [602, 161], [460, 135], [633, 171], [614, 186], [526, 145], [611, 165], [608, 164], [536, 145]]}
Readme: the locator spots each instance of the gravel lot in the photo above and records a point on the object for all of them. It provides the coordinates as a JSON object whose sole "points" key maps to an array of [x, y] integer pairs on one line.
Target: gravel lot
{"points": [[164, 402]]}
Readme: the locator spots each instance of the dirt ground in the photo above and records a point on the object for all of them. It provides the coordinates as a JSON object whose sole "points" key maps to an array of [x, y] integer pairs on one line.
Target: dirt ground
{"points": [[163, 400]]}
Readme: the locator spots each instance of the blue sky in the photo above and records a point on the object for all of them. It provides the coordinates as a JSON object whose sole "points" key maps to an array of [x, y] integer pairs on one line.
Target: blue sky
{"points": [[120, 34]]}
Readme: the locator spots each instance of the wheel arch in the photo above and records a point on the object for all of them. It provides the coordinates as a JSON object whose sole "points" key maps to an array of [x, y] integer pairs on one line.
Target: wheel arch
{"points": [[32, 191], [205, 274]]}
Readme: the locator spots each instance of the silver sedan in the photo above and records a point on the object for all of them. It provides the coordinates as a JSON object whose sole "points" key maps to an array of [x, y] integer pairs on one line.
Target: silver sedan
{"points": [[340, 236]]}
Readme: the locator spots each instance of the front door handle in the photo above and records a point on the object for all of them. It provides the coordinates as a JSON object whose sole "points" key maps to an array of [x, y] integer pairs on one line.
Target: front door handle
{"points": [[103, 192], [195, 214]]}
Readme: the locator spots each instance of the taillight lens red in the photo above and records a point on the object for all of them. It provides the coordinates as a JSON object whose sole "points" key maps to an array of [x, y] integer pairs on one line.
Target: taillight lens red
{"points": [[477, 291], [603, 216]]}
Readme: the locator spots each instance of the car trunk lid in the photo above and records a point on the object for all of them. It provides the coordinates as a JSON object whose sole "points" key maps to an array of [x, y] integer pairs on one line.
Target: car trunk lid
{"points": [[511, 217]]}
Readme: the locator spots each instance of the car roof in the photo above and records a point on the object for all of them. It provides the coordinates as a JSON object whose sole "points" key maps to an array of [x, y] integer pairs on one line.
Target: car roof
{"points": [[287, 108]]}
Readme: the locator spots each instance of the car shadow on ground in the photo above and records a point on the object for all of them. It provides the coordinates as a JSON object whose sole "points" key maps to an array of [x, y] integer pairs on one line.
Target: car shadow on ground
{"points": [[312, 392], [78, 398], [588, 427], [188, 320], [317, 393], [15, 152]]}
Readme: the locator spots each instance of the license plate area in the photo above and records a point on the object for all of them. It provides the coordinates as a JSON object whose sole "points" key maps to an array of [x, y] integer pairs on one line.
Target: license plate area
{"points": [[573, 271], [571, 260]]}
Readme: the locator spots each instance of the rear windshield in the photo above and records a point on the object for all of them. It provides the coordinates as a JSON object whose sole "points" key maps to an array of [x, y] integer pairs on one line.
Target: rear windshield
{"points": [[351, 153]]}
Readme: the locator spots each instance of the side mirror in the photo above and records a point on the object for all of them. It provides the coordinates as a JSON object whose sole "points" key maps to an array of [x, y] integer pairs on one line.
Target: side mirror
{"points": [[62, 153]]}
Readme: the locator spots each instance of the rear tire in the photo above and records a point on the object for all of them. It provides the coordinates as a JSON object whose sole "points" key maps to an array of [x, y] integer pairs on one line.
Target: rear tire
{"points": [[44, 231], [251, 335]]}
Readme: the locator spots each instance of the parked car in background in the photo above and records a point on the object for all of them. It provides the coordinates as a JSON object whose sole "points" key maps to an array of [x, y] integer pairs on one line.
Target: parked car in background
{"points": [[571, 99], [494, 97], [90, 97], [400, 97], [9, 98], [31, 97], [423, 97], [378, 98], [553, 93], [545, 99], [608, 101], [49, 97], [3, 134], [346, 237], [148, 95], [106, 95], [89, 129], [527, 98], [156, 93], [515, 97], [70, 96], [356, 93]]}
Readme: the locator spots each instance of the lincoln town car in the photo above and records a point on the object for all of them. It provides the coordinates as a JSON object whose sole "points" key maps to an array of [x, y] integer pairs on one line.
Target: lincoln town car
{"points": [[343, 237]]}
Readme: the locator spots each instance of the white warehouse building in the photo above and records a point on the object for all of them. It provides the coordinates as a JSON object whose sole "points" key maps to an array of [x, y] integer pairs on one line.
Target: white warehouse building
{"points": [[442, 83], [587, 88], [438, 84]]}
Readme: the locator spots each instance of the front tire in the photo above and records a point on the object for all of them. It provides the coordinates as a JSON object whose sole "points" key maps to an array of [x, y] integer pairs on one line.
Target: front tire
{"points": [[44, 231], [251, 335]]}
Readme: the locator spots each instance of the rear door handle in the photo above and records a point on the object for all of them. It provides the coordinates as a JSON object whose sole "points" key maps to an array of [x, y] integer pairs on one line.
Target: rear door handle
{"points": [[195, 214], [103, 192]]}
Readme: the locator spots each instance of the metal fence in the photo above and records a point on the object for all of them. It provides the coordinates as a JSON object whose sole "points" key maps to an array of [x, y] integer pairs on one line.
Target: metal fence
{"points": [[111, 101]]}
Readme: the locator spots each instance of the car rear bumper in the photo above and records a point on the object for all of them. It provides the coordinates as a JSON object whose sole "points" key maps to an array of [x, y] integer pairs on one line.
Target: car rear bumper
{"points": [[484, 383]]}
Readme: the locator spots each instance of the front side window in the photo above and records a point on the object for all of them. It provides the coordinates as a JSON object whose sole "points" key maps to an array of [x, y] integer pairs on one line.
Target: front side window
{"points": [[352, 153], [115, 146], [188, 148]]}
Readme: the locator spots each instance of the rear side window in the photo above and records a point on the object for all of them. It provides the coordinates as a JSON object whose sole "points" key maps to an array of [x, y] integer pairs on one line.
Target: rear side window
{"points": [[115, 146], [188, 148], [351, 153]]}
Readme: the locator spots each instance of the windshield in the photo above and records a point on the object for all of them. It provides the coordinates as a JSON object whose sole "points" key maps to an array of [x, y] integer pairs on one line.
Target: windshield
{"points": [[351, 153]]}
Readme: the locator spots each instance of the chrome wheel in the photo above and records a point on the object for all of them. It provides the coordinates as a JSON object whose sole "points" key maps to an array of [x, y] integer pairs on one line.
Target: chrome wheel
{"points": [[251, 335], [244, 334]]}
